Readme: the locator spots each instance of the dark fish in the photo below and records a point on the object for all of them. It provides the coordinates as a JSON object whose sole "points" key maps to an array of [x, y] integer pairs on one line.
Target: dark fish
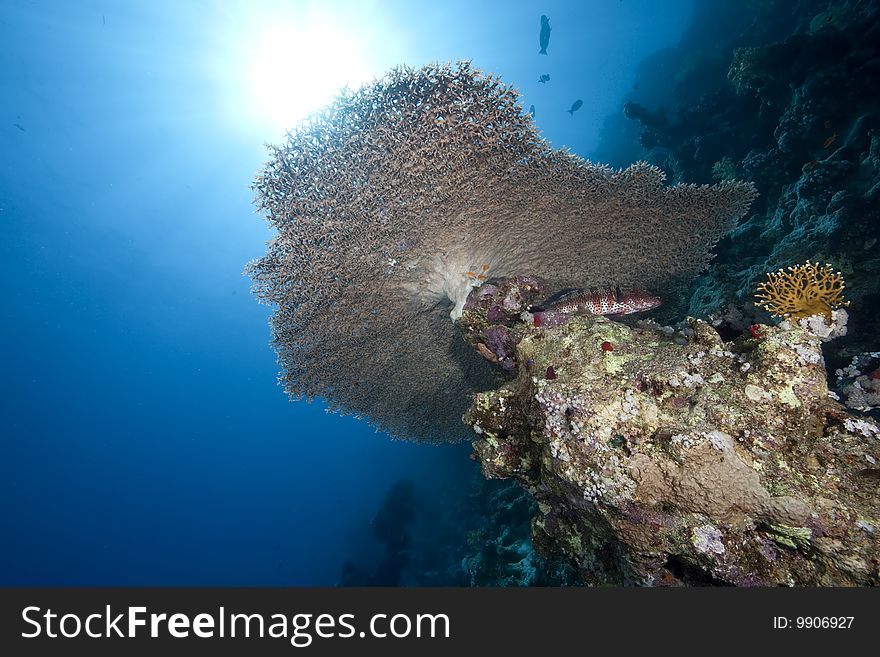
{"points": [[575, 106], [544, 78], [545, 35], [532, 111], [19, 126]]}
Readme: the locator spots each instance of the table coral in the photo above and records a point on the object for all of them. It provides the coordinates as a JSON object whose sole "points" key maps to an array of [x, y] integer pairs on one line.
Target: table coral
{"points": [[396, 201]]}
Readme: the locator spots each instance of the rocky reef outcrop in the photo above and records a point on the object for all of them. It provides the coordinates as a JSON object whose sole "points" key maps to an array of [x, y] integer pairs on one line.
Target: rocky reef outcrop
{"points": [[669, 456]]}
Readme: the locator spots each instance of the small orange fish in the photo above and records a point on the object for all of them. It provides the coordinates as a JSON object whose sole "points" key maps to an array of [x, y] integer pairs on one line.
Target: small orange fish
{"points": [[830, 140], [809, 166]]}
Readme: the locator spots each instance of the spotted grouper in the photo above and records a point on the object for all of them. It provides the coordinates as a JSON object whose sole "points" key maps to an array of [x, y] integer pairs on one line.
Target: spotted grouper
{"points": [[603, 302]]}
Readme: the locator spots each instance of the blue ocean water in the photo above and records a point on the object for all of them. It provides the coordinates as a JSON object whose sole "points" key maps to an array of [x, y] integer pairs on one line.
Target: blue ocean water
{"points": [[144, 438]]}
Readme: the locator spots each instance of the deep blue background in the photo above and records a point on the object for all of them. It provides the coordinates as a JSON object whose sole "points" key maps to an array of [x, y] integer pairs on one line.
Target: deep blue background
{"points": [[144, 439]]}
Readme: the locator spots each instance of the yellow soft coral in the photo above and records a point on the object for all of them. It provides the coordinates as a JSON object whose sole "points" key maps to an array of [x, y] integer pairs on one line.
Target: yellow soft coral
{"points": [[802, 291]]}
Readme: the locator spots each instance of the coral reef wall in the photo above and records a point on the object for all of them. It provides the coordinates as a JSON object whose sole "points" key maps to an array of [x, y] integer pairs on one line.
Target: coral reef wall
{"points": [[795, 108]]}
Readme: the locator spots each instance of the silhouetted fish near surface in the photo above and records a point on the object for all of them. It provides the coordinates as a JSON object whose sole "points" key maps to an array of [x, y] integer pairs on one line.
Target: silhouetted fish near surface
{"points": [[545, 35], [19, 126], [575, 106], [544, 78], [532, 111]]}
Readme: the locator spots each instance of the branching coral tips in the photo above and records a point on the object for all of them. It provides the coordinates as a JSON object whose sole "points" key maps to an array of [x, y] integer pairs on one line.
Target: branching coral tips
{"points": [[802, 291]]}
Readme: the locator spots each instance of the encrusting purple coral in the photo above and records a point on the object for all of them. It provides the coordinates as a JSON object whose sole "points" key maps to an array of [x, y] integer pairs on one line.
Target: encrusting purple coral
{"points": [[396, 201], [491, 318], [497, 341]]}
